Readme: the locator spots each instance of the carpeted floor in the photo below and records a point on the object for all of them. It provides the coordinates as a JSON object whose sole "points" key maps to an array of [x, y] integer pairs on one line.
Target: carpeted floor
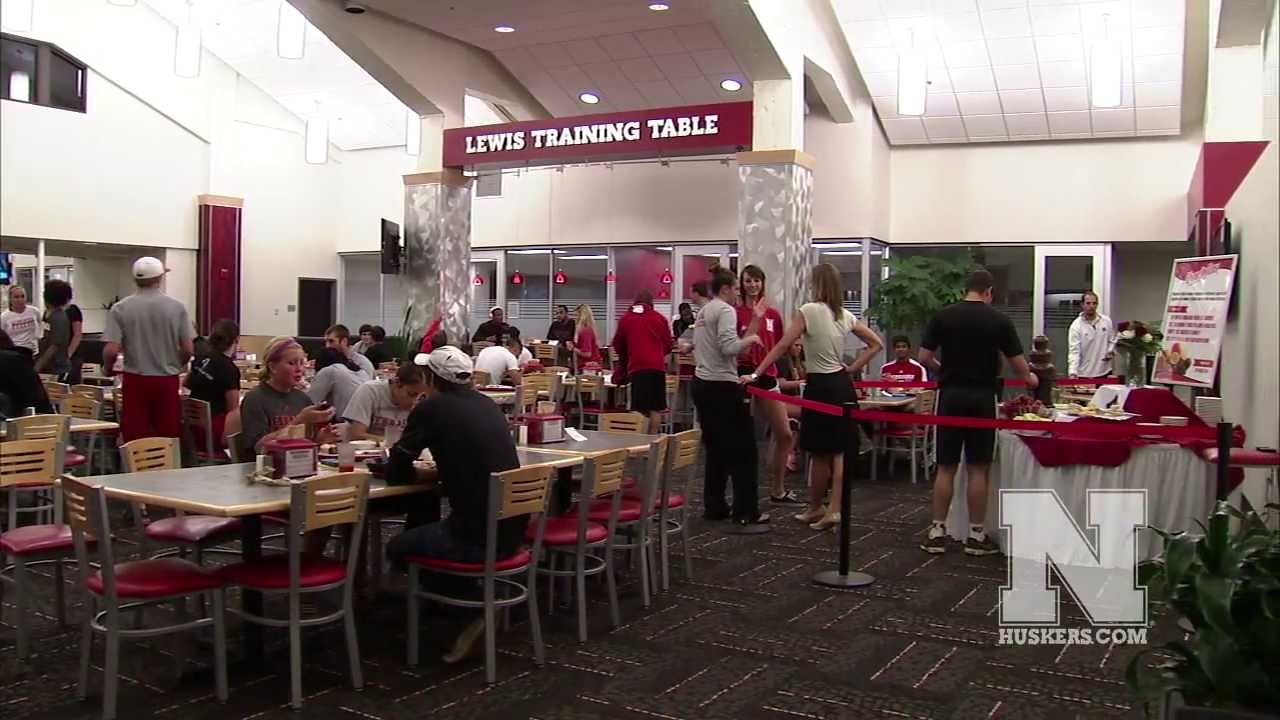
{"points": [[748, 637]]}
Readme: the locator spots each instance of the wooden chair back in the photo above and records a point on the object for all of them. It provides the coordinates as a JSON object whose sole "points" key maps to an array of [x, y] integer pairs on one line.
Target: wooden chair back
{"points": [[57, 391], [684, 449], [554, 369], [84, 508], [147, 454], [93, 392], [522, 491], [328, 500], [628, 422], [607, 469], [480, 378], [545, 352], [82, 407], [40, 427], [28, 462], [927, 402], [526, 398], [539, 382], [589, 386]]}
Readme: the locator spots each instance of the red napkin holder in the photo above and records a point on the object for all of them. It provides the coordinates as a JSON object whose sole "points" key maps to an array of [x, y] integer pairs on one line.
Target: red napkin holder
{"points": [[544, 428], [292, 457]]}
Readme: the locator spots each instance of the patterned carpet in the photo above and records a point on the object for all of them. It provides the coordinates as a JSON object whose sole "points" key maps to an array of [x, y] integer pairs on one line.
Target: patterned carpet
{"points": [[748, 637]]}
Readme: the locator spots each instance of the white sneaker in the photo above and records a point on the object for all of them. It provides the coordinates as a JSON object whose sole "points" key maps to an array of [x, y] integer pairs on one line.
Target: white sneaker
{"points": [[809, 516], [465, 644]]}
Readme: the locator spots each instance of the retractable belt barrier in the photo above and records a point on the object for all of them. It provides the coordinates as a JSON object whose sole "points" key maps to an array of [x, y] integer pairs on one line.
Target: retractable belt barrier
{"points": [[1008, 382]]}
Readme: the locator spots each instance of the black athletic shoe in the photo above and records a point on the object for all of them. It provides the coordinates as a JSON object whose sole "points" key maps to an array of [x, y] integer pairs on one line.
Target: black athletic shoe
{"points": [[985, 546], [935, 544], [759, 519], [789, 497]]}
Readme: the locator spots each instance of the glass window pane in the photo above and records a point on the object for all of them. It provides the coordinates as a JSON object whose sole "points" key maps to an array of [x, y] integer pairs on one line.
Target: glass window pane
{"points": [[17, 71], [583, 271], [484, 295], [848, 261], [1065, 280], [642, 268], [66, 83], [528, 291]]}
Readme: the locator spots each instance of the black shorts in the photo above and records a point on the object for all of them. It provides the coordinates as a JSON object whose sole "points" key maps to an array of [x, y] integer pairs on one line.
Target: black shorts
{"points": [[977, 445], [648, 391]]}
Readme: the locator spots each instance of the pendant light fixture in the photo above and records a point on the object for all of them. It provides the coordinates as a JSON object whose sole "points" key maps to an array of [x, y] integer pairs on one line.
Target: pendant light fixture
{"points": [[913, 79], [316, 138], [16, 14], [291, 32], [517, 278], [1106, 68], [187, 46], [560, 278]]}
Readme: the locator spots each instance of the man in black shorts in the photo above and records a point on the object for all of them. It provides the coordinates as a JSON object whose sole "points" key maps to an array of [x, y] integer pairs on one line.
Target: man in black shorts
{"points": [[643, 341], [970, 336]]}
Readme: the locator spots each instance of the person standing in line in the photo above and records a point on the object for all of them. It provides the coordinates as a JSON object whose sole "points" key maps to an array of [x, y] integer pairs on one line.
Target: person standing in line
{"points": [[701, 294], [338, 337], [643, 341], [1091, 341], [215, 379], [823, 325], [756, 316], [154, 332], [60, 342], [22, 323], [585, 347], [727, 431], [971, 337]]}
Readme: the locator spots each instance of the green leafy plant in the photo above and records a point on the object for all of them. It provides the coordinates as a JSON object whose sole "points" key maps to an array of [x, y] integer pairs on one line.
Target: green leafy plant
{"points": [[916, 289], [1227, 585]]}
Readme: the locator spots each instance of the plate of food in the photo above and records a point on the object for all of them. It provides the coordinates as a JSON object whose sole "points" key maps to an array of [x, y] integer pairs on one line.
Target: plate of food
{"points": [[1115, 414]]}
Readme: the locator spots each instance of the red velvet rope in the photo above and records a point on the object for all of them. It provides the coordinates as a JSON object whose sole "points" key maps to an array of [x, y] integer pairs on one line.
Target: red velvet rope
{"points": [[1009, 382]]}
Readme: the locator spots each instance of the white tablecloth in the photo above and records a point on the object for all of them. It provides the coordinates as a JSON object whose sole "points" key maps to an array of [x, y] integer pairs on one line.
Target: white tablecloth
{"points": [[1180, 488]]}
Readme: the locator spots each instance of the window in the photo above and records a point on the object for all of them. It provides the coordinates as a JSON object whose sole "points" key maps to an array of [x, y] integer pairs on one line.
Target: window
{"points": [[41, 74]]}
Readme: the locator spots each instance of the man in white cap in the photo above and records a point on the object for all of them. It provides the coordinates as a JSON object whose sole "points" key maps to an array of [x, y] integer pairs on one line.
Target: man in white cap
{"points": [[492, 329], [468, 438], [154, 332]]}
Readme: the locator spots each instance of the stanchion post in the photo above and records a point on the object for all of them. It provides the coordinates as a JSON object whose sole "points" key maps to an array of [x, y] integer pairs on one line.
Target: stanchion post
{"points": [[843, 577], [1224, 459]]}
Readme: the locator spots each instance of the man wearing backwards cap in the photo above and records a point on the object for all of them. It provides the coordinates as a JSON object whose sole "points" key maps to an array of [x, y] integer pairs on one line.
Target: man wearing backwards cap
{"points": [[468, 438], [154, 332], [492, 329]]}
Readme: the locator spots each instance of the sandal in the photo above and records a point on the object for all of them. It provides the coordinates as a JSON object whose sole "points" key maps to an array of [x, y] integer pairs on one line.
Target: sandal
{"points": [[829, 520], [812, 515]]}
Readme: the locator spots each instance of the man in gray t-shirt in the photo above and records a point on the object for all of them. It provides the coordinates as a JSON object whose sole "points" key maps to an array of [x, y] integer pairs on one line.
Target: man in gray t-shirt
{"points": [[154, 332]]}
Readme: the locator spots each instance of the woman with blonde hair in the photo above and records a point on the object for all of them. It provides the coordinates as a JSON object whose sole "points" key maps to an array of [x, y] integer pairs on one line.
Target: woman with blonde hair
{"points": [[269, 410], [822, 326], [585, 345]]}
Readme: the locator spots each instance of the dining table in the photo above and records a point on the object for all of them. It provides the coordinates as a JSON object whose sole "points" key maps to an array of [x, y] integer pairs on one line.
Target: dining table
{"points": [[78, 425], [593, 443]]}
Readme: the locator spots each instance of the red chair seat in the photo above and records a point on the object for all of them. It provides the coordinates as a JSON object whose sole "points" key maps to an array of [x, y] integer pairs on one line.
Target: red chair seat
{"points": [[161, 577], [72, 459], [674, 500], [564, 531], [1243, 457], [901, 432], [519, 560], [36, 539], [629, 511], [272, 572], [191, 528]]}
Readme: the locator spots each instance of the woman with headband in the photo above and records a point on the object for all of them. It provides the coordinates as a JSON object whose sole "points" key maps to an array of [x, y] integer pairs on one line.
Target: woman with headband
{"points": [[277, 403]]}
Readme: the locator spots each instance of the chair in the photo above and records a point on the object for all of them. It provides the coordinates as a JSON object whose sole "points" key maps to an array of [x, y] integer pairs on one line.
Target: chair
{"points": [[554, 369], [577, 534], [512, 494], [624, 422], [197, 432], [480, 378], [669, 415], [526, 399], [57, 392], [110, 589], [81, 405], [315, 504], [911, 439], [198, 531], [591, 389], [42, 427], [682, 458], [544, 352], [536, 384]]}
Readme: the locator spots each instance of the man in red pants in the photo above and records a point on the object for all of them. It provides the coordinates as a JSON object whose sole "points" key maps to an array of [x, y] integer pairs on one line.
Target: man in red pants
{"points": [[154, 332]]}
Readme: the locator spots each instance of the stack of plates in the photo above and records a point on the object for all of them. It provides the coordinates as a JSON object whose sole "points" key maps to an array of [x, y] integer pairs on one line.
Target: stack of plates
{"points": [[1209, 409], [1173, 420]]}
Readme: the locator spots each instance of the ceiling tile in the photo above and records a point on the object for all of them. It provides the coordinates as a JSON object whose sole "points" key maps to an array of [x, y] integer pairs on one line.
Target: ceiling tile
{"points": [[944, 7], [1163, 40], [886, 107], [626, 98], [1001, 4], [941, 105], [662, 41], [906, 8], [1120, 119], [1059, 48], [1162, 94], [987, 103], [659, 93], [874, 60], [1022, 101], [586, 51], [1153, 13], [1029, 138], [641, 70], [959, 27], [882, 84], [1115, 134], [551, 56], [1066, 98], [1026, 124], [695, 90], [1017, 77], [1157, 68], [702, 36], [678, 67], [942, 128], [914, 142], [716, 62], [572, 79], [848, 10], [622, 47], [1006, 23], [869, 33], [904, 129], [723, 95], [605, 74], [1062, 74], [966, 54], [1070, 122], [985, 125], [972, 80], [1159, 118], [1055, 20], [940, 79], [1012, 51]]}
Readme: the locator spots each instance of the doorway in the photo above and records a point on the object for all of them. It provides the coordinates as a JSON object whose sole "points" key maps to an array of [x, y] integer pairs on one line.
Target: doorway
{"points": [[317, 305], [1063, 274], [694, 262]]}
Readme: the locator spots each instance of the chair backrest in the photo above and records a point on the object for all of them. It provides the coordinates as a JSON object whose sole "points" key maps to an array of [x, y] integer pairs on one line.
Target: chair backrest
{"points": [[81, 407], [481, 378], [554, 369], [545, 352], [321, 502], [604, 471], [85, 510], [684, 449], [927, 402], [27, 462], [57, 391], [522, 491], [628, 422], [197, 425], [147, 454], [93, 392], [652, 479], [39, 427], [589, 386], [234, 449], [526, 397], [538, 382]]}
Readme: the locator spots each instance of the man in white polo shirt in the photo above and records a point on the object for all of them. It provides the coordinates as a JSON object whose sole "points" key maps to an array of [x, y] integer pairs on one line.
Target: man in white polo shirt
{"points": [[1091, 341], [154, 332], [502, 362], [22, 322]]}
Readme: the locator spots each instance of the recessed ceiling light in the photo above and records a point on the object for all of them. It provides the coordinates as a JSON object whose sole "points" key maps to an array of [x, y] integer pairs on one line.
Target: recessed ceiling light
{"points": [[589, 98], [659, 7], [504, 29], [730, 85]]}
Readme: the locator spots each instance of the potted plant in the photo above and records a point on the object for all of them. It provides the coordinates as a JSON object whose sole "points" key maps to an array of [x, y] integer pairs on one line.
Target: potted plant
{"points": [[1227, 586], [916, 289]]}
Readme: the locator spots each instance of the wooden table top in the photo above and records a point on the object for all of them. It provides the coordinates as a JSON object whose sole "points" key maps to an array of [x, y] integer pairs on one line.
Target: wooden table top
{"points": [[81, 425], [598, 441], [886, 403]]}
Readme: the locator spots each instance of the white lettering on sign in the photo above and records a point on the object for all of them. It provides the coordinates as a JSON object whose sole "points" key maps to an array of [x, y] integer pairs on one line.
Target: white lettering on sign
{"points": [[595, 134]]}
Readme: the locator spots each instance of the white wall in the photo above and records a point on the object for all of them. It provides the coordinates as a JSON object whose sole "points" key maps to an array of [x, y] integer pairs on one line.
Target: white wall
{"points": [[371, 188], [1141, 272], [1073, 191], [851, 182]]}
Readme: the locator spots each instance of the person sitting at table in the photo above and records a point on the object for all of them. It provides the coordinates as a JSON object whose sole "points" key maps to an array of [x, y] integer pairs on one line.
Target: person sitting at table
{"points": [[502, 362], [563, 327], [377, 352], [336, 380], [20, 386], [215, 379], [379, 408], [585, 347], [492, 329], [469, 440], [903, 368], [338, 337], [276, 405], [683, 322], [366, 339]]}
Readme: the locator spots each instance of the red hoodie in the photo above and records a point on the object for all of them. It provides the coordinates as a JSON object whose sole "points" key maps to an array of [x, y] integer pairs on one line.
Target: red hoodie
{"points": [[644, 339], [431, 333]]}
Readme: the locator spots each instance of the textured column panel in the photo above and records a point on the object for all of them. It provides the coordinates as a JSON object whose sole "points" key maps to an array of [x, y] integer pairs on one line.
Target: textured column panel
{"points": [[775, 229], [437, 235]]}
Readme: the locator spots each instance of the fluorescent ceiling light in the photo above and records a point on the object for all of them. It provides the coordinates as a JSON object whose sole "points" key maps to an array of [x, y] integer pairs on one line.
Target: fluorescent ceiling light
{"points": [[20, 86], [291, 32], [659, 7], [1106, 69], [529, 252], [841, 252], [187, 49], [832, 245], [589, 98], [504, 29], [584, 257], [17, 14], [412, 132], [730, 85], [665, 247], [913, 81], [480, 260], [316, 139]]}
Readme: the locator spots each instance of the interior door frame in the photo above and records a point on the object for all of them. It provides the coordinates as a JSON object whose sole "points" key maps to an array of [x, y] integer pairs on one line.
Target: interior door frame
{"points": [[333, 302], [680, 252], [1102, 266]]}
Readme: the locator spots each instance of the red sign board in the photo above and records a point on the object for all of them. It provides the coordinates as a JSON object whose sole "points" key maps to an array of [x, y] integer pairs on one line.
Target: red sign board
{"points": [[658, 132]]}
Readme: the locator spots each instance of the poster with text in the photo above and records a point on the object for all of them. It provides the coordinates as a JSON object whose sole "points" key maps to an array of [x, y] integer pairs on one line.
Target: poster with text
{"points": [[1195, 314]]}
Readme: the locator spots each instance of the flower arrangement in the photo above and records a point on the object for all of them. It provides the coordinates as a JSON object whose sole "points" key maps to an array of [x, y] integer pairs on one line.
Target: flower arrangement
{"points": [[1135, 335]]}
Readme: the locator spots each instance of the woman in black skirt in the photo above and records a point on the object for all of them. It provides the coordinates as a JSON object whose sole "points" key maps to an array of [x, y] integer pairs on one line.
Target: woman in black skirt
{"points": [[822, 326]]}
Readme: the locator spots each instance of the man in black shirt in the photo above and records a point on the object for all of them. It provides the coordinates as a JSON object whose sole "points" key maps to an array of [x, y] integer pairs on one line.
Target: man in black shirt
{"points": [[469, 440], [20, 386], [971, 337], [492, 329], [563, 327]]}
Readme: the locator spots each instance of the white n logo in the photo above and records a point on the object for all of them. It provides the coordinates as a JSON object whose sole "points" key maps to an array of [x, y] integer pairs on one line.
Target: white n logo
{"points": [[1101, 575]]}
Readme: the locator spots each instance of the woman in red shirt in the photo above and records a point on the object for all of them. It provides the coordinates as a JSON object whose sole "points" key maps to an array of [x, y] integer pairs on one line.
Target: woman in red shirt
{"points": [[585, 346], [757, 317]]}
